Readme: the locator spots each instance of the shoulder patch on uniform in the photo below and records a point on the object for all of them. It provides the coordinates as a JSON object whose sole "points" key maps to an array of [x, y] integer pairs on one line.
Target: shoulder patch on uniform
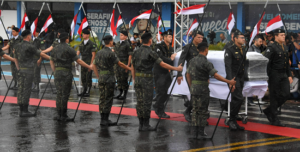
{"points": [[157, 50], [268, 50], [42, 42], [226, 54], [94, 45]]}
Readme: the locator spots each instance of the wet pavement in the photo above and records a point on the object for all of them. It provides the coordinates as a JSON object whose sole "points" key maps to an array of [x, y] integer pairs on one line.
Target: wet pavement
{"points": [[41, 133]]}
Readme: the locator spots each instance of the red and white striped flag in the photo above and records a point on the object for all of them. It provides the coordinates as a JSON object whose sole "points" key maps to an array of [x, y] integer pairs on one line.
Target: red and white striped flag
{"points": [[159, 23], [145, 15], [73, 24], [25, 19], [230, 22], [256, 29], [195, 9], [83, 25], [193, 26], [113, 30], [119, 22], [34, 26], [273, 24], [48, 22]]}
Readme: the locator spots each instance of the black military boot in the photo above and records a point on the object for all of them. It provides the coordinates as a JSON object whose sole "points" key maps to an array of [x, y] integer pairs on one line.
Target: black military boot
{"points": [[187, 114], [141, 124], [103, 120], [88, 93], [24, 111], [83, 92], [194, 132], [15, 87], [277, 122], [232, 124], [36, 88], [110, 123], [124, 95], [239, 127], [202, 131], [64, 116], [58, 115], [146, 125], [268, 114], [119, 95]]}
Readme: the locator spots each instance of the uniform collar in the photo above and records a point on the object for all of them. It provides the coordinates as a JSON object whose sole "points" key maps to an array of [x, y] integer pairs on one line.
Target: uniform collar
{"points": [[85, 42], [16, 37], [200, 55]]}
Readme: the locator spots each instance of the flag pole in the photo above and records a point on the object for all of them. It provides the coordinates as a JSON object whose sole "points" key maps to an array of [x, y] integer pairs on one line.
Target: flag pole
{"points": [[182, 65], [243, 60], [162, 21], [153, 7], [124, 24]]}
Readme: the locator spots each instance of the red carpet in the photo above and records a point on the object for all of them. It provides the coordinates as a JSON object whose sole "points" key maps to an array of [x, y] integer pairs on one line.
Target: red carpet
{"points": [[250, 126]]}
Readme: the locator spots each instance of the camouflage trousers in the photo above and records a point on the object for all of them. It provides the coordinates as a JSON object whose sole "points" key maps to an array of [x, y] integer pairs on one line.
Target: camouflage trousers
{"points": [[14, 70], [122, 78], [37, 74], [24, 89], [63, 83], [144, 93], [86, 79], [200, 109], [106, 96]]}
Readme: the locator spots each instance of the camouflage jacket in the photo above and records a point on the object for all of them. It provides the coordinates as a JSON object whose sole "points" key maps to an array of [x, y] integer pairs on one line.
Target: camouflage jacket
{"points": [[55, 43], [105, 60], [86, 50], [39, 44], [200, 69], [1, 52], [123, 51], [234, 57], [143, 59], [24, 53], [12, 43], [63, 56], [189, 52]]}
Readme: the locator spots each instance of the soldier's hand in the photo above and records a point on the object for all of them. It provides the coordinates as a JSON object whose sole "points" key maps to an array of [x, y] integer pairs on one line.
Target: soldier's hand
{"points": [[113, 50], [39, 63], [91, 68], [179, 79], [180, 68], [233, 87], [291, 80], [232, 82], [173, 56]]}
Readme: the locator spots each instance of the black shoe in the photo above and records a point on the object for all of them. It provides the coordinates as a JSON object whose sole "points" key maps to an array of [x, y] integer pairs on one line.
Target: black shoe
{"points": [[64, 117], [14, 88], [269, 115], [232, 126], [202, 131], [278, 123], [239, 118], [119, 95], [146, 126], [83, 92], [110, 123], [194, 132], [24, 111], [86, 95], [187, 114], [141, 124], [103, 121], [164, 115], [124, 95], [238, 126]]}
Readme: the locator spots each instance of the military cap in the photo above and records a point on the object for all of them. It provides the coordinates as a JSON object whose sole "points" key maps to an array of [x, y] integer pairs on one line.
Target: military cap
{"points": [[238, 33], [203, 44], [168, 33], [85, 31], [107, 37], [198, 32], [170, 30], [124, 33], [63, 35], [25, 33], [235, 30], [146, 35], [38, 30], [16, 29], [60, 30], [279, 31]]}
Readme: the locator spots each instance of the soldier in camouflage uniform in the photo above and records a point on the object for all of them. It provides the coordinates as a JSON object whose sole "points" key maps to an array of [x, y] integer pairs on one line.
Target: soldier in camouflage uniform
{"points": [[14, 41], [124, 53], [87, 49], [25, 63], [39, 44], [234, 56], [198, 76], [143, 60], [56, 42], [61, 61], [105, 61], [189, 52]]}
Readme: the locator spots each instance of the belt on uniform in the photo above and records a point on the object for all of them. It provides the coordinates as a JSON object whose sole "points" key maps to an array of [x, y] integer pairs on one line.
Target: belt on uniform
{"points": [[143, 75], [27, 68], [106, 73], [125, 62], [199, 82], [62, 69]]}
